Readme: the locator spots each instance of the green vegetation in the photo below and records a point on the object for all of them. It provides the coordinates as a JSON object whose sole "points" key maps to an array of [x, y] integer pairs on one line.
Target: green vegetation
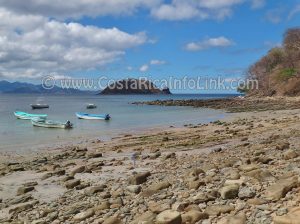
{"points": [[287, 73]]}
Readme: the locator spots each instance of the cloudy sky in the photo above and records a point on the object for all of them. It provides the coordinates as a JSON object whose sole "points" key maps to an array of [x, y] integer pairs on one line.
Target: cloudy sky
{"points": [[122, 38]]}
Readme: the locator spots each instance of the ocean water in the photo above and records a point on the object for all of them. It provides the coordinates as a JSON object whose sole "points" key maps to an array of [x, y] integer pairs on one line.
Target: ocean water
{"points": [[18, 134]]}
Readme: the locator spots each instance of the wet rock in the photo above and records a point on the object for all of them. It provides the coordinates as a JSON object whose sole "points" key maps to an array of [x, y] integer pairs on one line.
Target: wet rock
{"points": [[280, 188], [139, 178], [229, 192], [169, 217]]}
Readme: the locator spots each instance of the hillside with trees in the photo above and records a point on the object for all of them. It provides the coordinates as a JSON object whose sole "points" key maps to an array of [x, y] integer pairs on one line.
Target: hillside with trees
{"points": [[278, 73]]}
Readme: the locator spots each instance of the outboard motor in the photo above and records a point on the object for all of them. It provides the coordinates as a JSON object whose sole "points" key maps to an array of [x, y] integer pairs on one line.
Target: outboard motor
{"points": [[69, 124], [107, 117]]}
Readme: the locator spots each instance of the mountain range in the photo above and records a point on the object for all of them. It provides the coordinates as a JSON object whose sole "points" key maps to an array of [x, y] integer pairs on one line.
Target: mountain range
{"points": [[28, 88]]}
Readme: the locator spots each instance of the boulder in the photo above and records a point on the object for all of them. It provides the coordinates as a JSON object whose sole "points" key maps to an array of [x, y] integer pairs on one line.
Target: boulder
{"points": [[169, 217], [194, 216], [236, 219], [292, 217], [24, 190], [290, 154], [112, 220], [72, 183], [219, 209], [84, 215], [154, 188], [78, 169], [229, 192], [281, 188], [145, 218], [139, 178]]}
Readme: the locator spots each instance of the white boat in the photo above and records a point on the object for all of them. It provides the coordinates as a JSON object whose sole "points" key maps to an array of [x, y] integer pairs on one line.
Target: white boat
{"points": [[51, 124], [93, 116]]}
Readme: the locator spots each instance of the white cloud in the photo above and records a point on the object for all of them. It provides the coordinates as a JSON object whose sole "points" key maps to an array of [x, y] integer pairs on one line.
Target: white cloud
{"points": [[274, 15], [157, 62], [200, 9], [294, 11], [31, 46], [218, 42], [144, 68], [257, 4], [77, 8]]}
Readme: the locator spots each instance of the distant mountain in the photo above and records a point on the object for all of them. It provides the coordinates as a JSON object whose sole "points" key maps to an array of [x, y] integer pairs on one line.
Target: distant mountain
{"points": [[133, 86], [28, 88]]}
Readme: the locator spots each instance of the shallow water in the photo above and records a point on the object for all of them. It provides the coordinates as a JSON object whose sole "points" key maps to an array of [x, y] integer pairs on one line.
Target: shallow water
{"points": [[18, 134]]}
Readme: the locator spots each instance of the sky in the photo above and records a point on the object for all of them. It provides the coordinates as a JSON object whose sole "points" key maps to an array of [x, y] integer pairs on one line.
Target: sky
{"points": [[157, 39]]}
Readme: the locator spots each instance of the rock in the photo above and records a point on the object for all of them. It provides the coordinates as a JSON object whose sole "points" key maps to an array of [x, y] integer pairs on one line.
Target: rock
{"points": [[78, 169], [134, 189], [139, 178], [246, 192], [22, 206], [229, 192], [293, 217], [84, 215], [194, 216], [218, 209], [72, 183], [94, 189], [24, 190], [250, 167], [195, 172], [256, 201], [283, 146], [112, 220], [290, 154], [154, 188], [236, 219], [156, 207], [261, 175], [94, 155], [169, 217], [170, 155], [102, 206], [146, 218], [281, 188], [195, 184]]}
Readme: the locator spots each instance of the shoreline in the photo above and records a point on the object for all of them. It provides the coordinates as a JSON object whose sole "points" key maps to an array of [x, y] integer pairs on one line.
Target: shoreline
{"points": [[222, 171]]}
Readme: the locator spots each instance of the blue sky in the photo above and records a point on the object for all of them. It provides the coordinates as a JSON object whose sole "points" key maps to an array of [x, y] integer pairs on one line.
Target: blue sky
{"points": [[123, 38]]}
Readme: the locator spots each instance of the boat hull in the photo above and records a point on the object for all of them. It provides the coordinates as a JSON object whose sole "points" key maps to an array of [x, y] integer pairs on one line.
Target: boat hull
{"points": [[51, 124], [93, 116], [39, 106], [27, 116]]}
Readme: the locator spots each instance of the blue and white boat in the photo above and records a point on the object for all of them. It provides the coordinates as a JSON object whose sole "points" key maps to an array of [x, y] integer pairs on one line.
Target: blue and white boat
{"points": [[27, 116], [93, 116]]}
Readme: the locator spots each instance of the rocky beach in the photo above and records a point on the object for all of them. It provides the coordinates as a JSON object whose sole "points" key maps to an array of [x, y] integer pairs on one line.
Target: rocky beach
{"points": [[243, 169]]}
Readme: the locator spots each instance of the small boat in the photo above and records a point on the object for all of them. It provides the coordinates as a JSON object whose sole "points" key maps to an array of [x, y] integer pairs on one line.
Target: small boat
{"points": [[91, 106], [39, 106], [51, 124], [93, 116], [26, 116]]}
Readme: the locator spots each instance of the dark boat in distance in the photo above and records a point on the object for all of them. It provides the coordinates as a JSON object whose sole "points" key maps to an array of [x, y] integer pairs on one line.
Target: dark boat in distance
{"points": [[39, 106], [91, 106]]}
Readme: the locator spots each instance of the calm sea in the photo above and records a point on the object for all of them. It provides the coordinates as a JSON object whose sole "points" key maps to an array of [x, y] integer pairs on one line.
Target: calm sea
{"points": [[18, 134]]}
